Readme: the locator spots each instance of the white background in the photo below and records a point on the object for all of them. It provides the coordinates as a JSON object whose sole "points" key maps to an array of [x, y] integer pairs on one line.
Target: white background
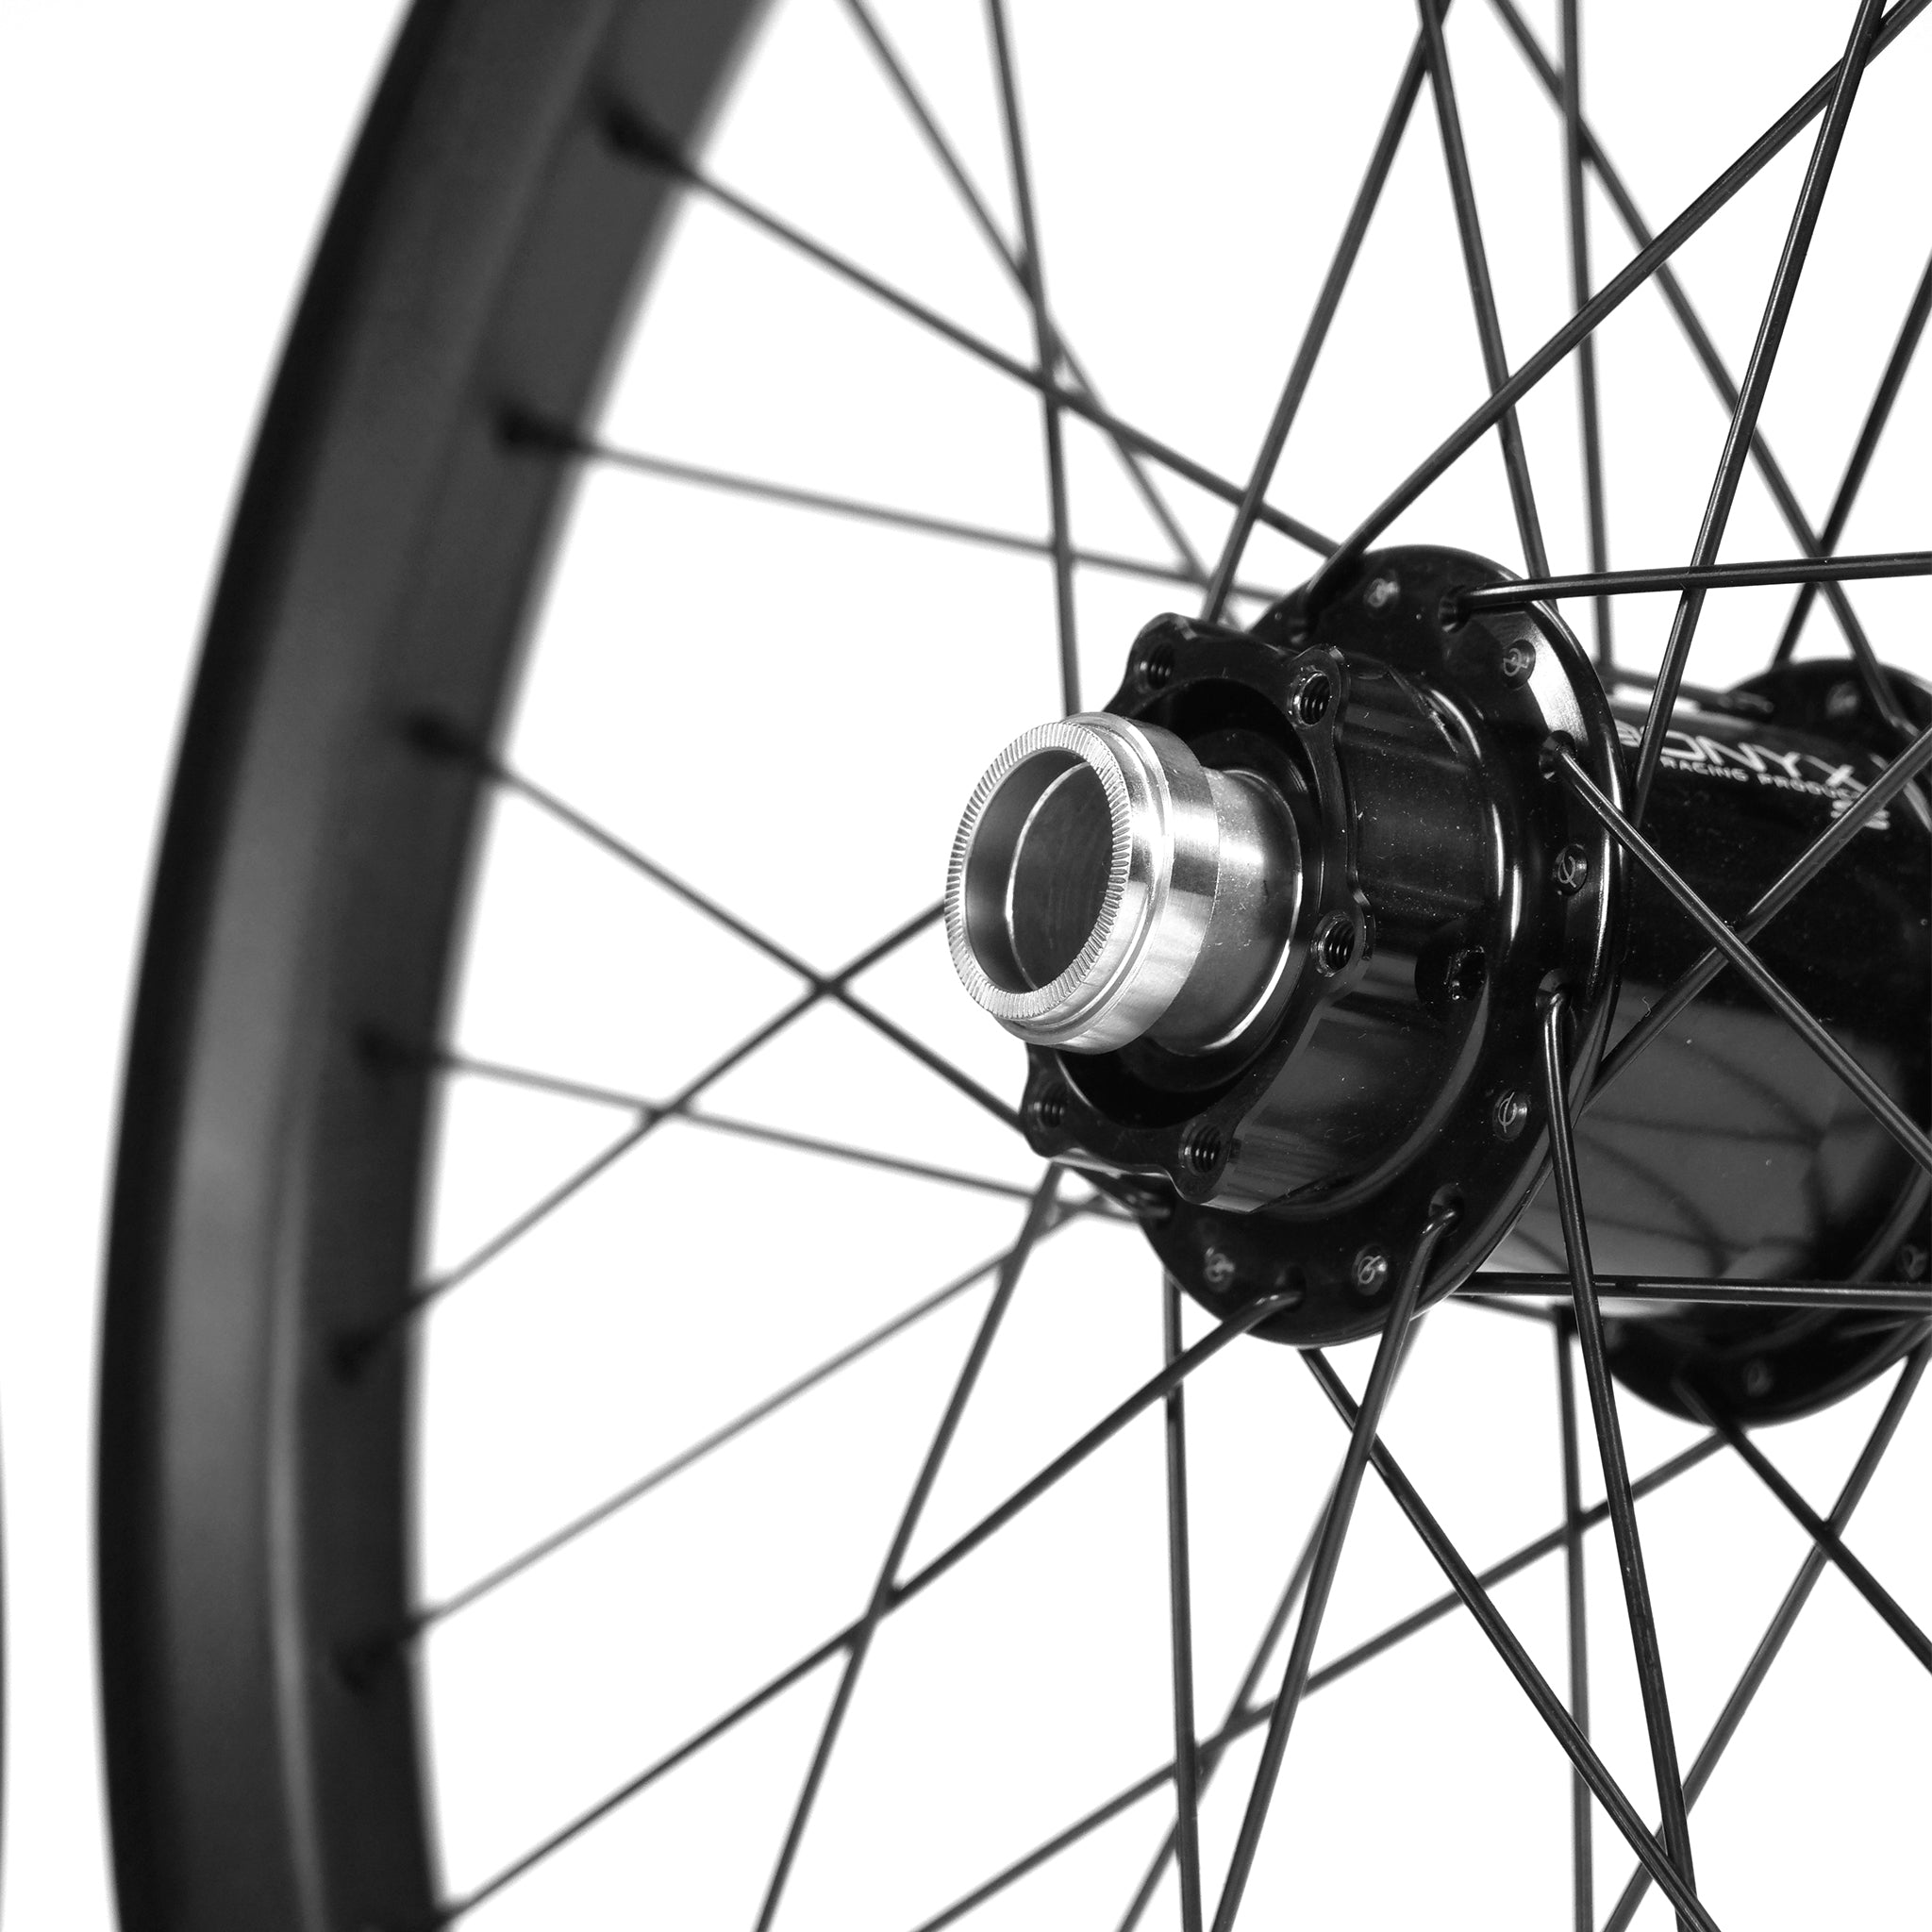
{"points": [[163, 169]]}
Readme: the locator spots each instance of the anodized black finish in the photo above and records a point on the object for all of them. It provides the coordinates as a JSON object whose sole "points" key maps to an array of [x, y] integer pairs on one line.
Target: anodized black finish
{"points": [[1728, 1149], [1429, 833], [1407, 744]]}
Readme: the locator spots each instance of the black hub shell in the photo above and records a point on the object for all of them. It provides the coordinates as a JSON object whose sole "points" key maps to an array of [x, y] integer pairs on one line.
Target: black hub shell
{"points": [[1397, 1067], [1730, 1150]]}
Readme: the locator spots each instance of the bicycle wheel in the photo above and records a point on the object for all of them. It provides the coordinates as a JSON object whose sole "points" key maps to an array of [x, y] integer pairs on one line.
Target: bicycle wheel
{"points": [[535, 1281]]}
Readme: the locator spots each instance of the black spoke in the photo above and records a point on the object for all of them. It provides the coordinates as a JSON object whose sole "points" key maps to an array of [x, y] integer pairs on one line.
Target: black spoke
{"points": [[1822, 1534], [1862, 452], [1873, 1297], [742, 1129], [437, 1286], [1244, 1716], [634, 1490], [1578, 212], [823, 986], [1039, 1216], [1033, 276], [1482, 295], [928, 1057], [1316, 333], [1511, 1565], [1335, 1523], [1151, 1392], [530, 434], [1799, 874], [1786, 1618], [1235, 1723], [1583, 1884], [1715, 577], [1730, 469], [637, 140], [1193, 570], [1900, 1125], [1610, 1441], [1698, 337], [1187, 1780], [1335, 571], [1509, 1648], [1241, 1705]]}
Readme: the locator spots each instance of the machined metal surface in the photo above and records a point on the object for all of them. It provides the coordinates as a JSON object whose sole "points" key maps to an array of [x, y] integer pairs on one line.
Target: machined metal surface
{"points": [[1105, 884]]}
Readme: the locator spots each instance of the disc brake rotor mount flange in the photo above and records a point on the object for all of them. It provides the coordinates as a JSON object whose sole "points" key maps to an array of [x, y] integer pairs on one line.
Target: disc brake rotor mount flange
{"points": [[1447, 882]]}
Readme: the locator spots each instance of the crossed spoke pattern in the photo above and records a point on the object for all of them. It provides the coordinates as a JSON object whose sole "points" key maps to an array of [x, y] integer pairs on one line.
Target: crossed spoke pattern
{"points": [[1064, 388]]}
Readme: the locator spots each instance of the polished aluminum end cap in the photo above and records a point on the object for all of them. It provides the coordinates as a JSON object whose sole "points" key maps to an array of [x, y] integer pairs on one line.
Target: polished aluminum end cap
{"points": [[1082, 881]]}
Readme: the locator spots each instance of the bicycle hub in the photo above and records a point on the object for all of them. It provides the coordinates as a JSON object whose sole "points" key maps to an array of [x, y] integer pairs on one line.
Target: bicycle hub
{"points": [[1276, 925]]}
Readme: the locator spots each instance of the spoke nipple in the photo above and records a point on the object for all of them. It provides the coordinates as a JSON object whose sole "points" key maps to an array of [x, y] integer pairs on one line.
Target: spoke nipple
{"points": [[1912, 1262], [1758, 1376], [1841, 701], [1558, 746], [1510, 1114], [1570, 871], [1381, 593], [1217, 1268], [1369, 1275]]}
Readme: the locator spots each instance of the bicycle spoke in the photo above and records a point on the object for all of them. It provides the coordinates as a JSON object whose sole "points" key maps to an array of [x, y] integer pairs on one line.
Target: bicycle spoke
{"points": [[1509, 1648], [1482, 295], [1039, 1216], [1316, 332], [823, 986], [1335, 1523], [1511, 1565], [1610, 1443], [1187, 1781], [1034, 280], [1717, 576], [1799, 874], [1730, 469], [1900, 1125], [1638, 270], [1577, 1602], [927, 1057], [744, 1129], [1193, 570], [1499, 1305], [1696, 334], [1881, 1297], [1151, 1392], [531, 434], [637, 142], [433, 1288], [726, 1432], [437, 1285], [1862, 452], [1577, 223], [1243, 1717], [1822, 1534], [1238, 1705], [1786, 1618]]}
